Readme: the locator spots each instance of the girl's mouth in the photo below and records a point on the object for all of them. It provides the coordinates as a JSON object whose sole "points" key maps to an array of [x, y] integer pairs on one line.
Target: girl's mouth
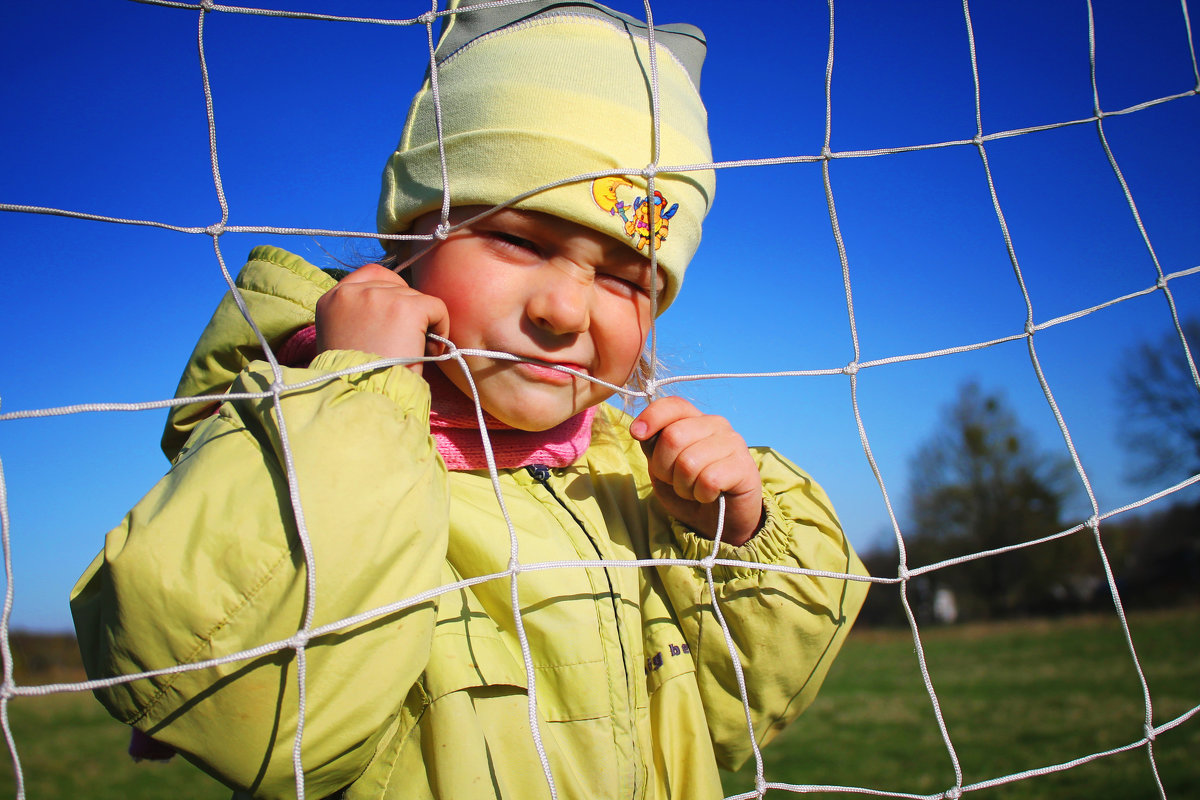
{"points": [[548, 374]]}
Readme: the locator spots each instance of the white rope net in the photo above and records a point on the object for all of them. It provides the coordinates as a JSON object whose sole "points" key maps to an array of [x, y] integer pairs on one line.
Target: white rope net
{"points": [[1028, 330]]}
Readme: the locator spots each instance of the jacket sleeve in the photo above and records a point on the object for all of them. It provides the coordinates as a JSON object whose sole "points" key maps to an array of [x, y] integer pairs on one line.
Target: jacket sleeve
{"points": [[209, 564], [786, 627]]}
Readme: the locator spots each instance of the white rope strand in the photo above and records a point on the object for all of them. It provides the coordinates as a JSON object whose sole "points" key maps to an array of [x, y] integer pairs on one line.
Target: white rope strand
{"points": [[1187, 27], [310, 568], [735, 660], [514, 568], [285, 449], [1137, 216], [652, 211], [7, 688], [212, 123], [1104, 560], [435, 95]]}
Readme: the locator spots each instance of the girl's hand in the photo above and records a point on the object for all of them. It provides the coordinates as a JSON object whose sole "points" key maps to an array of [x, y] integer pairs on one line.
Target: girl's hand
{"points": [[374, 311], [695, 459]]}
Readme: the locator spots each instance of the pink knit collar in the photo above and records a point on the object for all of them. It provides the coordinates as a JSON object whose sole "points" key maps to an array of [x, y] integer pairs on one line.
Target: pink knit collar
{"points": [[455, 428]]}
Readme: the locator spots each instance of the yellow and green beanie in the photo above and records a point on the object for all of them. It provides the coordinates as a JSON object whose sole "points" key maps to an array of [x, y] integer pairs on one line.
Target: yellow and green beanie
{"points": [[539, 93]]}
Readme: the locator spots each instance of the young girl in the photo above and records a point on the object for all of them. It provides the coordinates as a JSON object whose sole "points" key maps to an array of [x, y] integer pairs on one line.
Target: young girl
{"points": [[635, 688]]}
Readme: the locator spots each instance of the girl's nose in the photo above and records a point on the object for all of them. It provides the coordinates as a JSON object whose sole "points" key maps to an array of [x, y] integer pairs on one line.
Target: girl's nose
{"points": [[559, 302]]}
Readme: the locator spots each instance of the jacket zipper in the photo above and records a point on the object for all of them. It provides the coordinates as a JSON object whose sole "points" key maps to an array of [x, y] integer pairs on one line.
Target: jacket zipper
{"points": [[541, 474]]}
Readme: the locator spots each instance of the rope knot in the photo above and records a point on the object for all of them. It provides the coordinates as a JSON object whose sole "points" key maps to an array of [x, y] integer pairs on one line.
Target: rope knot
{"points": [[206, 5], [299, 639], [427, 18], [851, 368], [708, 562], [902, 572], [650, 171], [978, 140], [514, 566], [953, 793], [1150, 733], [217, 228], [1030, 328], [442, 231], [1161, 283]]}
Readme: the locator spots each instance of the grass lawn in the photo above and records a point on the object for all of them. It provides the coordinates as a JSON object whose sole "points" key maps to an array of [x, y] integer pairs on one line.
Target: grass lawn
{"points": [[1015, 696], [71, 748]]}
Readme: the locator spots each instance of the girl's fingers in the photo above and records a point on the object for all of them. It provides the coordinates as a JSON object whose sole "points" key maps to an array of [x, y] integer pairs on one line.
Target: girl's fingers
{"points": [[709, 467], [693, 460], [701, 457], [658, 415], [373, 310], [438, 324]]}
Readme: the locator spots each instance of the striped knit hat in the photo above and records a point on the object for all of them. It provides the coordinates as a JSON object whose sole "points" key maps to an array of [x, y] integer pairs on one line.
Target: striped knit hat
{"points": [[550, 93]]}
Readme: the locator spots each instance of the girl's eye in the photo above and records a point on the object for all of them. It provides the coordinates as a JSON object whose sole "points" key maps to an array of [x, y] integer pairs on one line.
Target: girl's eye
{"points": [[626, 286], [510, 240]]}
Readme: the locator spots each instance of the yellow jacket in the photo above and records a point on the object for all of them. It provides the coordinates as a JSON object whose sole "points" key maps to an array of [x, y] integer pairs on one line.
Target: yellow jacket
{"points": [[636, 695]]}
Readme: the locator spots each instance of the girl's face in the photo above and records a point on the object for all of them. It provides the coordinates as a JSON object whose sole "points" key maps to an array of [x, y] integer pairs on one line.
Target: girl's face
{"points": [[539, 287]]}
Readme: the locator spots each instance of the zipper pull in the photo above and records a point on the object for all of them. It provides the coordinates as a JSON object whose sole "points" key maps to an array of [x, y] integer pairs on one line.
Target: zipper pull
{"points": [[539, 472]]}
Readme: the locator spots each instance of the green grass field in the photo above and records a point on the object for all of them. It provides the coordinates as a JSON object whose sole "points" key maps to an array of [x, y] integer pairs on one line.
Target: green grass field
{"points": [[1015, 696]]}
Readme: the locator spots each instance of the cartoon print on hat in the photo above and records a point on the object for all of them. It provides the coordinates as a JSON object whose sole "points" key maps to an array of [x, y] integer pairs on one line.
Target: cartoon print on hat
{"points": [[607, 194]]}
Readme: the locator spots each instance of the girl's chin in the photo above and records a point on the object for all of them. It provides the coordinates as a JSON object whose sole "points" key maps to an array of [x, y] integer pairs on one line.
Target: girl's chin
{"points": [[527, 410], [528, 405], [526, 421]]}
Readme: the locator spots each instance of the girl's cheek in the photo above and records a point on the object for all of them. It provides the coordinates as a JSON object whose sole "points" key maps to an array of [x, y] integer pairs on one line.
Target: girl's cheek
{"points": [[630, 333]]}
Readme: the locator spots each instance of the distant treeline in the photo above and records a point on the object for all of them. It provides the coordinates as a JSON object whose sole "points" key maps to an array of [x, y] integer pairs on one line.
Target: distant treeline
{"points": [[1155, 559], [45, 657]]}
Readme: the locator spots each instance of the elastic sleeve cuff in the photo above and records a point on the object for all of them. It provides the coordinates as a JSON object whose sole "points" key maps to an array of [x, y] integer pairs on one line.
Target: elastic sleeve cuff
{"points": [[770, 545]]}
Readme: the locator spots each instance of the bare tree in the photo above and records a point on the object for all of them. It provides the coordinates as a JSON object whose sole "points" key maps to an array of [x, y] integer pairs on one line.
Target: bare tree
{"points": [[1160, 407], [980, 483]]}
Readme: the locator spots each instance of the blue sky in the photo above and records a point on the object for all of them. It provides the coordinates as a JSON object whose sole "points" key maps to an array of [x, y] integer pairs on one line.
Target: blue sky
{"points": [[104, 114]]}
